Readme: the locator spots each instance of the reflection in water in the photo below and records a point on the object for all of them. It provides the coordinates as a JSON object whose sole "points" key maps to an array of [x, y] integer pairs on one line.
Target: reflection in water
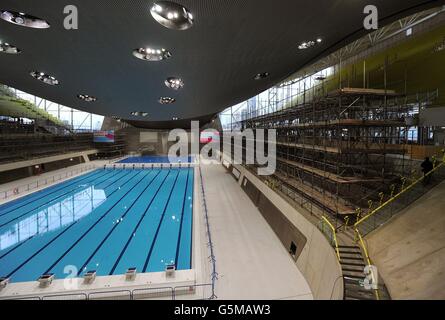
{"points": [[57, 215]]}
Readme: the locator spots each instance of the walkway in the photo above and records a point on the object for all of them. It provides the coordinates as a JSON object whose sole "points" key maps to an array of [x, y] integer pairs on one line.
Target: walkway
{"points": [[251, 261]]}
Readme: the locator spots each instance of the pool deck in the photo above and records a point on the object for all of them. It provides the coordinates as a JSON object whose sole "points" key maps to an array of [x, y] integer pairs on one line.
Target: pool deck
{"points": [[251, 261]]}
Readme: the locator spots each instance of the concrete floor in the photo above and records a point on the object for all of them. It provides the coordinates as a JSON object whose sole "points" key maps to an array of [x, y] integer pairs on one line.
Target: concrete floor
{"points": [[410, 249], [251, 261]]}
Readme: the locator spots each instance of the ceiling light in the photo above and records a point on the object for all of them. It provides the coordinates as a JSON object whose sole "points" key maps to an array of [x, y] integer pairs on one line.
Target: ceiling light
{"points": [[174, 83], [44, 78], [87, 98], [150, 54], [166, 100], [172, 15], [309, 44], [139, 114], [22, 19], [263, 75], [7, 48]]}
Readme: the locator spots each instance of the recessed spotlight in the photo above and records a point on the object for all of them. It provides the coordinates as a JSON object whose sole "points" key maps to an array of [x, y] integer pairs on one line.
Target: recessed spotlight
{"points": [[23, 19], [7, 48], [174, 83], [166, 100], [263, 75], [150, 54], [44, 78], [309, 44], [139, 114], [172, 15], [87, 98]]}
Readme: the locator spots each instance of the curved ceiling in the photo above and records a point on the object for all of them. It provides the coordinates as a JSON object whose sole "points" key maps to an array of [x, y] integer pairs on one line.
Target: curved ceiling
{"points": [[230, 42]]}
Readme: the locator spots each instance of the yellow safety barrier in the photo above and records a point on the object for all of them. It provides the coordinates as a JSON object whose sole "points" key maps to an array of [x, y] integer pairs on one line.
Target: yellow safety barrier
{"points": [[382, 205], [368, 261], [334, 233], [402, 191]]}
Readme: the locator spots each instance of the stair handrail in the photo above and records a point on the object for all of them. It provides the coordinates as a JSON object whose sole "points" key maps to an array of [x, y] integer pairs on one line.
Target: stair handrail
{"points": [[359, 237], [368, 260], [403, 191], [334, 233]]}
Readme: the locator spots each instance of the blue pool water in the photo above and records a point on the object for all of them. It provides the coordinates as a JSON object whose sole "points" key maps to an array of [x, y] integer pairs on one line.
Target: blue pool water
{"points": [[156, 159], [107, 220]]}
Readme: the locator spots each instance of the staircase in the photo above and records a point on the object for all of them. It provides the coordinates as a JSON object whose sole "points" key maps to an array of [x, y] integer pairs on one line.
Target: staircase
{"points": [[404, 201], [353, 265]]}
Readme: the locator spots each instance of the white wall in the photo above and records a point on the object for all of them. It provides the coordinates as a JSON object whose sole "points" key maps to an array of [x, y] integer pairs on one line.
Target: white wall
{"points": [[318, 261]]}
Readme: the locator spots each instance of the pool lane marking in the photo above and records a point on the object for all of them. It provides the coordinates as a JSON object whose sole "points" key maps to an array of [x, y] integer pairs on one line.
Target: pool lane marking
{"points": [[51, 200], [137, 226], [77, 180], [16, 246], [90, 178], [159, 226], [182, 219], [116, 225], [110, 184], [72, 190], [33, 196], [99, 220], [54, 239]]}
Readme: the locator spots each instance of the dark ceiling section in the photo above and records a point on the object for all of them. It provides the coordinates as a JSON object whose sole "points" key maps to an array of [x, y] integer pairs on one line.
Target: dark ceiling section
{"points": [[230, 42], [180, 124]]}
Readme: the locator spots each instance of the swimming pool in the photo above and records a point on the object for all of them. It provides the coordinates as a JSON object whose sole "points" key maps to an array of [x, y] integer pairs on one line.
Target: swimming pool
{"points": [[107, 221], [156, 159]]}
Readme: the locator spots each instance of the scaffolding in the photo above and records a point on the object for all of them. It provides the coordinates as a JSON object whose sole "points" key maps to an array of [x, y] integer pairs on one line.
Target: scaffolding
{"points": [[347, 133], [341, 150]]}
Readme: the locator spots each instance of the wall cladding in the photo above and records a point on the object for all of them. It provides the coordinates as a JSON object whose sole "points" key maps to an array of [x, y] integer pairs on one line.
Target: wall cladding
{"points": [[283, 228], [25, 172], [314, 255]]}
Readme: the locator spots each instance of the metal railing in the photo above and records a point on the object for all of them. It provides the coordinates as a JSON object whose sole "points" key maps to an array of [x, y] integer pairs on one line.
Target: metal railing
{"points": [[190, 292], [329, 231], [400, 200], [368, 261], [406, 196], [19, 190], [212, 258]]}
